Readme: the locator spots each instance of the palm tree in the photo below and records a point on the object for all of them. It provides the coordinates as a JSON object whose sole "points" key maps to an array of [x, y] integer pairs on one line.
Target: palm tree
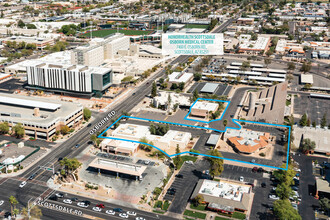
{"points": [[13, 202]]}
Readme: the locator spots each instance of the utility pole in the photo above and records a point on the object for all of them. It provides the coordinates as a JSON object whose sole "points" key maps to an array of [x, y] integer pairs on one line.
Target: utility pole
{"points": [[29, 209]]}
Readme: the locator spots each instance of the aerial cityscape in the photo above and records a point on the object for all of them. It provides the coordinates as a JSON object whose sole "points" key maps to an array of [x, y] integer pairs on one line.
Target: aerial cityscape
{"points": [[165, 109]]}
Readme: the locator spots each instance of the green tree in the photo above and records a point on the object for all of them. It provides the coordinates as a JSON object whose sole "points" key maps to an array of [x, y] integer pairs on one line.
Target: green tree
{"points": [[306, 67], [36, 212], [20, 24], [177, 160], [324, 120], [64, 130], [199, 199], [70, 165], [154, 89], [145, 147], [87, 114], [284, 210], [314, 124], [303, 120], [195, 95], [13, 202], [4, 128], [325, 205], [285, 176], [216, 163], [93, 138], [284, 191], [267, 61], [291, 66], [307, 145], [19, 130], [197, 76], [225, 122]]}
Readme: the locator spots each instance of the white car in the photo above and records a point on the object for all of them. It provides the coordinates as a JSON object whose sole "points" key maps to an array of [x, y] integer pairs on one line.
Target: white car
{"points": [[123, 215], [82, 204], [241, 179], [273, 197], [131, 213], [67, 201], [22, 184], [110, 212], [146, 162], [97, 209], [189, 162], [139, 218], [1, 202]]}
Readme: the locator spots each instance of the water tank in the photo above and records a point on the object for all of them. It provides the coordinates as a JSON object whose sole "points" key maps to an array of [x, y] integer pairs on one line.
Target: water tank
{"points": [[252, 103]]}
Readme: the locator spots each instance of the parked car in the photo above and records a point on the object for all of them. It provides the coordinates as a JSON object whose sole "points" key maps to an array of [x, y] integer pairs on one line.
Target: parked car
{"points": [[139, 218], [253, 161], [179, 175], [271, 196], [53, 197], [295, 188], [241, 179], [77, 145], [260, 170], [263, 185], [147, 162], [1, 202], [255, 169]]}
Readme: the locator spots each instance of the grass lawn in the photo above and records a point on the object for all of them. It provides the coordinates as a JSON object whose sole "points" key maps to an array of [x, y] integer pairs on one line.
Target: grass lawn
{"points": [[199, 207], [194, 214], [220, 218], [196, 26], [104, 33], [186, 158], [238, 215], [159, 212]]}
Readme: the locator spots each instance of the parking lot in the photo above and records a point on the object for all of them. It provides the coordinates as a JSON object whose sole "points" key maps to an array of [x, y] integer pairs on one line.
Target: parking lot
{"points": [[10, 86], [185, 186], [314, 107]]}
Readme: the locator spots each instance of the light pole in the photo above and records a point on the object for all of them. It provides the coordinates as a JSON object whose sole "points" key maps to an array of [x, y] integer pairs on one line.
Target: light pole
{"points": [[29, 208]]}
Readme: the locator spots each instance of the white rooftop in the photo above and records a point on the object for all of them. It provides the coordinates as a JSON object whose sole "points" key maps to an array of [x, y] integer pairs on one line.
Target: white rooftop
{"points": [[178, 77], [222, 189], [209, 106], [121, 144], [259, 44], [29, 103], [306, 78]]}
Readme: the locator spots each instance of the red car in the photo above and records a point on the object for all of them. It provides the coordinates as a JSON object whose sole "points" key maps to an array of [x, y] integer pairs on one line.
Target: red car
{"points": [[100, 206], [255, 169]]}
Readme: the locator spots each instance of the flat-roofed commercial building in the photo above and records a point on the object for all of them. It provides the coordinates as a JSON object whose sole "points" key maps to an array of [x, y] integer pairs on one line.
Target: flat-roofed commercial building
{"points": [[203, 109], [161, 100], [180, 77], [135, 132], [68, 78], [225, 196], [247, 141], [40, 43], [117, 168], [40, 118], [255, 47], [126, 148]]}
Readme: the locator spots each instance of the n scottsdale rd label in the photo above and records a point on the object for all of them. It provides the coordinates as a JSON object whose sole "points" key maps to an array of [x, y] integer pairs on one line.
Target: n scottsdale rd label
{"points": [[102, 122]]}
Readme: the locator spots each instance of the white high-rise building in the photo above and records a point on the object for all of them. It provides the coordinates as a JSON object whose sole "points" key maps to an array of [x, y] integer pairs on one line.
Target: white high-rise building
{"points": [[99, 50], [71, 78]]}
